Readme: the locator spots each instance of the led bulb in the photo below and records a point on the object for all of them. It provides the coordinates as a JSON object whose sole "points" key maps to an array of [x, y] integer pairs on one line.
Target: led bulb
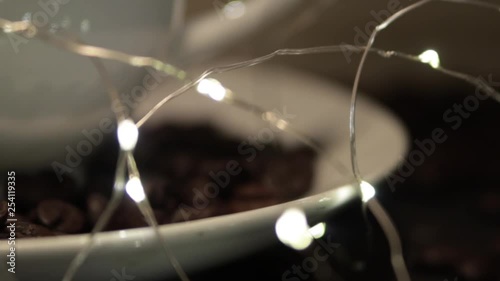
{"points": [[318, 230], [292, 229], [212, 88], [431, 57], [367, 191], [135, 189], [128, 134]]}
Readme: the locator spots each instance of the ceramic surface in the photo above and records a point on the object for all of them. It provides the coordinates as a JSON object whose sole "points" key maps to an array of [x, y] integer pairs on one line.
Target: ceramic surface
{"points": [[320, 110]]}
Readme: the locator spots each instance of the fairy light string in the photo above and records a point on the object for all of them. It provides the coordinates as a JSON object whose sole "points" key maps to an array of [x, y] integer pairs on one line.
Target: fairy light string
{"points": [[126, 162], [128, 135], [367, 191]]}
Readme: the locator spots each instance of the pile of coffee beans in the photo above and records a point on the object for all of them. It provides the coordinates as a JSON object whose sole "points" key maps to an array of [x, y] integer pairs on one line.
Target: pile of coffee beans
{"points": [[188, 173]]}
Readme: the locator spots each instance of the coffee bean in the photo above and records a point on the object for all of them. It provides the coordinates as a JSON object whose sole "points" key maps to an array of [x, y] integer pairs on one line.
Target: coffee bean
{"points": [[127, 216], [277, 177], [60, 216], [182, 165], [27, 229], [96, 203], [292, 175], [170, 205], [253, 190], [211, 165], [195, 189], [179, 161], [159, 215], [257, 166], [155, 187]]}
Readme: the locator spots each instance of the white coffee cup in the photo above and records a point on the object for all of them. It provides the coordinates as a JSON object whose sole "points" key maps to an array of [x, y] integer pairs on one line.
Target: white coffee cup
{"points": [[52, 102]]}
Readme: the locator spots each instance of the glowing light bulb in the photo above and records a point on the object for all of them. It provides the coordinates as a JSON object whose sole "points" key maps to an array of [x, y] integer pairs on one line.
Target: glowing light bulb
{"points": [[135, 189], [234, 9], [367, 191], [318, 230], [212, 88], [292, 229], [128, 134], [431, 57]]}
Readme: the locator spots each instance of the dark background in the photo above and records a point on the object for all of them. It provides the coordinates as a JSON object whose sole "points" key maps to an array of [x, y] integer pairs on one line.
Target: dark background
{"points": [[448, 209]]}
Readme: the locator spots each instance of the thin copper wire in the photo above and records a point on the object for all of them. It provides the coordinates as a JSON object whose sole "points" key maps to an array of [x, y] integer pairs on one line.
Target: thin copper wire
{"points": [[102, 53]]}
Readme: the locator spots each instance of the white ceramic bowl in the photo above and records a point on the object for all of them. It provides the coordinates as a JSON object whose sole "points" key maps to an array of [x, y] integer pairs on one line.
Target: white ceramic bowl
{"points": [[321, 111]]}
